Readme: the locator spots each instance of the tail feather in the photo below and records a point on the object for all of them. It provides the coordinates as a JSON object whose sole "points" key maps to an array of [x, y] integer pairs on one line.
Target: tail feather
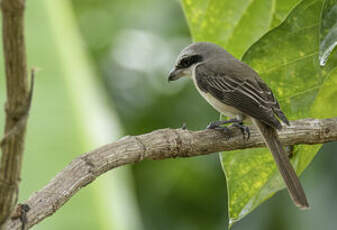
{"points": [[288, 173]]}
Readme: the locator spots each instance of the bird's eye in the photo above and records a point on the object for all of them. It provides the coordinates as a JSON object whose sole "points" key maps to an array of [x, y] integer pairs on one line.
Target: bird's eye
{"points": [[188, 61]]}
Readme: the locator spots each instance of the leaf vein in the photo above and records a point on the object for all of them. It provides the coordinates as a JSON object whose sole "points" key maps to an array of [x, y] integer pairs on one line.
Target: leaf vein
{"points": [[289, 63]]}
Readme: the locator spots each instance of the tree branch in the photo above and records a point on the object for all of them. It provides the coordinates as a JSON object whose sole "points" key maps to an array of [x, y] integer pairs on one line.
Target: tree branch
{"points": [[160, 144], [17, 105]]}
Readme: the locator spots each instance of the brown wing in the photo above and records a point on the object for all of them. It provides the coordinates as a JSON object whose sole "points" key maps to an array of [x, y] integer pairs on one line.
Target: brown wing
{"points": [[249, 95]]}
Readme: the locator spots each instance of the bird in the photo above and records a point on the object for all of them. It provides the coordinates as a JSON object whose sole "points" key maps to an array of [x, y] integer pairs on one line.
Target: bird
{"points": [[235, 90]]}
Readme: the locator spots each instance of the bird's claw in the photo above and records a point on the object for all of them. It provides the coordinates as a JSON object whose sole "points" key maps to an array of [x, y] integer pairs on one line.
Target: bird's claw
{"points": [[225, 130], [235, 123], [244, 129], [212, 125], [216, 126]]}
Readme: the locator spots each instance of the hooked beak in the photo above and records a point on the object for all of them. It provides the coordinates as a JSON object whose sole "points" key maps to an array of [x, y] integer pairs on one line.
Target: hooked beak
{"points": [[175, 74]]}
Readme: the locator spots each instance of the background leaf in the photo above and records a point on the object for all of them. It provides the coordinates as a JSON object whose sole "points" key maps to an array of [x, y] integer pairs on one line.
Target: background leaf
{"points": [[235, 25], [328, 30], [287, 59], [282, 9]]}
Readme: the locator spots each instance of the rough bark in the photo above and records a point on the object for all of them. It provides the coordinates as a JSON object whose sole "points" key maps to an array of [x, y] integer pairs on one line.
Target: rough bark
{"points": [[160, 144], [17, 104]]}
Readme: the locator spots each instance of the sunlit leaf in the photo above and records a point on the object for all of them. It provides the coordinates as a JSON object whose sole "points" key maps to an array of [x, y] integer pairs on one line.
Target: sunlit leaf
{"points": [[282, 9], [328, 30], [287, 59], [225, 22], [235, 25]]}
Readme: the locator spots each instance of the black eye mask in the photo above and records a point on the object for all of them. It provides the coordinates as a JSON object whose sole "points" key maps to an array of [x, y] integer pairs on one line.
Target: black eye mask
{"points": [[188, 61]]}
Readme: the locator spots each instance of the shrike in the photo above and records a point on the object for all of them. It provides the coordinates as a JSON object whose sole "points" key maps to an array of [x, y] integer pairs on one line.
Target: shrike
{"points": [[236, 90]]}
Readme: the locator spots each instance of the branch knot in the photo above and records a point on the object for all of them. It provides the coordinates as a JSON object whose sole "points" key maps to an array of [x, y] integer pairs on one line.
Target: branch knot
{"points": [[143, 153]]}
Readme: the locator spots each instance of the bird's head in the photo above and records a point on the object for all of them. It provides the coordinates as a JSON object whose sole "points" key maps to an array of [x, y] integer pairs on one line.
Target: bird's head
{"points": [[192, 55]]}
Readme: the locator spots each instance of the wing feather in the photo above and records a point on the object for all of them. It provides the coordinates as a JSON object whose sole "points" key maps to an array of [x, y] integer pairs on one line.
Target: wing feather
{"points": [[249, 95]]}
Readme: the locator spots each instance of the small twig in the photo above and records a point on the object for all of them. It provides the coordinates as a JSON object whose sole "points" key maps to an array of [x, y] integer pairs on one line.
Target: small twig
{"points": [[160, 144]]}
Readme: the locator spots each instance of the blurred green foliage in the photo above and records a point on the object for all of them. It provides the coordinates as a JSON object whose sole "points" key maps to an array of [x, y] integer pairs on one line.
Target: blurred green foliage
{"points": [[54, 134], [167, 191]]}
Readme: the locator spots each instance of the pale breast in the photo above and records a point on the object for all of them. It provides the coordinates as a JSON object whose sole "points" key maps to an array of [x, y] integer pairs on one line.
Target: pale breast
{"points": [[216, 104]]}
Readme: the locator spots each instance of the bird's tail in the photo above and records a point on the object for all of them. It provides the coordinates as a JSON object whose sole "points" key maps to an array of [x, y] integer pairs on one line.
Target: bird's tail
{"points": [[288, 173]]}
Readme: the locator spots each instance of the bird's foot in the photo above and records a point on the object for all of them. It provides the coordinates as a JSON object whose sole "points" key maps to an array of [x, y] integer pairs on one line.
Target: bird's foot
{"points": [[244, 129], [225, 130], [217, 124]]}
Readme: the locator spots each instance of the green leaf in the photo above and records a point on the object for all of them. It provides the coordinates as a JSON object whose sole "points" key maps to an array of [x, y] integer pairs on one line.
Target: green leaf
{"points": [[287, 59], [235, 25], [282, 8], [328, 30], [325, 103]]}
